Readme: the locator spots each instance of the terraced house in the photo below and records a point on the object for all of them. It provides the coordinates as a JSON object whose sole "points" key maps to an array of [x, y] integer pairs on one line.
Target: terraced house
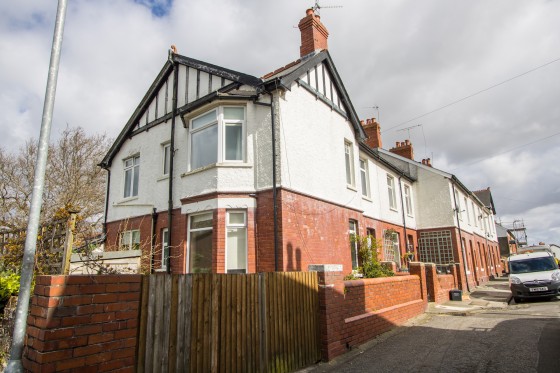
{"points": [[220, 171]]}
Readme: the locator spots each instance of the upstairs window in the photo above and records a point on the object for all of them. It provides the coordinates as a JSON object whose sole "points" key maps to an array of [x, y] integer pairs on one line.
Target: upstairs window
{"points": [[364, 175], [131, 176], [391, 192], [467, 210], [166, 158], [349, 159], [217, 136], [408, 200]]}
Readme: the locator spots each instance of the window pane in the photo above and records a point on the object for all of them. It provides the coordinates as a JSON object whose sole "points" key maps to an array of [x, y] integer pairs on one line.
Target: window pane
{"points": [[135, 181], [234, 113], [201, 221], [237, 218], [164, 247], [200, 253], [204, 147], [353, 244], [236, 248], [166, 159], [234, 142], [204, 120], [127, 182]]}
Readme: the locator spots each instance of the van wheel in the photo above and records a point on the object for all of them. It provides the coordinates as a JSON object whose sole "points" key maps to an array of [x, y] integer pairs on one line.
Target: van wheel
{"points": [[517, 299]]}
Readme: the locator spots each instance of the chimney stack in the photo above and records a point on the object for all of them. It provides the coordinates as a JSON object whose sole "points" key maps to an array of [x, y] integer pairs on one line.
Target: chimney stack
{"points": [[313, 34], [404, 149], [373, 132]]}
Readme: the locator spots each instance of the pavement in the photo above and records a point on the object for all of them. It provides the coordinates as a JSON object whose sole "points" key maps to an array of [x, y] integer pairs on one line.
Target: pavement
{"points": [[495, 294]]}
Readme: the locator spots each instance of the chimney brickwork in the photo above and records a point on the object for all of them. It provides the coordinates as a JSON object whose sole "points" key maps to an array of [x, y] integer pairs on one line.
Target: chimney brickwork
{"points": [[373, 132], [313, 34], [404, 149]]}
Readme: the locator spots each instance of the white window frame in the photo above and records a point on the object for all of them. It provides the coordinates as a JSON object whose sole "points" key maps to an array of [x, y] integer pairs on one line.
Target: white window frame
{"points": [[164, 247], [474, 214], [408, 200], [190, 230], [391, 192], [134, 169], [165, 158], [467, 210], [364, 177], [230, 225], [349, 162], [221, 124], [353, 235], [129, 236]]}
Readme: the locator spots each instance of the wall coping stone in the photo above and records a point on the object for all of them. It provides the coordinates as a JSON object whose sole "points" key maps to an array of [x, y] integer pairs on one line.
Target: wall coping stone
{"points": [[325, 267]]}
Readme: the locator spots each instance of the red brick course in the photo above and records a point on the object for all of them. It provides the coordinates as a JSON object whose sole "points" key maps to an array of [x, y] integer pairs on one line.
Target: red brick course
{"points": [[83, 323]]}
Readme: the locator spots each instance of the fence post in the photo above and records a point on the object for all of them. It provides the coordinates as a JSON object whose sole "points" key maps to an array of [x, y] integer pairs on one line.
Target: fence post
{"points": [[68, 243], [262, 322]]}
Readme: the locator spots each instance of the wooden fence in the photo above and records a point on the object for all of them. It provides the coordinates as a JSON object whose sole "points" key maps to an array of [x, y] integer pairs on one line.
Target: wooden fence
{"points": [[264, 322]]}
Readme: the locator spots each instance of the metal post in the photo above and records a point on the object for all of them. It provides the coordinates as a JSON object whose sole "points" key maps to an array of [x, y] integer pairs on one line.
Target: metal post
{"points": [[14, 364]]}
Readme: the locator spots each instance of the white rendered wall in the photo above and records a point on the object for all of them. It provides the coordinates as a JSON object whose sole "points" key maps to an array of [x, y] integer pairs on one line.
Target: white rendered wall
{"points": [[255, 173]]}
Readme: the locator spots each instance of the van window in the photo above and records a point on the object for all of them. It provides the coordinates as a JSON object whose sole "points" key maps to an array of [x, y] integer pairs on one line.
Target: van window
{"points": [[533, 265]]}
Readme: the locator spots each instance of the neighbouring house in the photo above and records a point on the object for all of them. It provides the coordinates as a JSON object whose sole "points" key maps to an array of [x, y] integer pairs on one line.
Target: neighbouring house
{"points": [[220, 171], [506, 240], [453, 225]]}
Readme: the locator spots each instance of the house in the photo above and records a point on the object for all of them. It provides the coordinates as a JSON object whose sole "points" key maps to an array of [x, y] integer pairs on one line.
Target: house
{"points": [[221, 171], [454, 225], [506, 240]]}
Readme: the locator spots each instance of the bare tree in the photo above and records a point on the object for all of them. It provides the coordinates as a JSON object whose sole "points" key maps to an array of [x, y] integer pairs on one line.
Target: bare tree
{"points": [[73, 180]]}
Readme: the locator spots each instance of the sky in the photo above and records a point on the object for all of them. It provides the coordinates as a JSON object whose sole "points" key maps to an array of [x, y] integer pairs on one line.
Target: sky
{"points": [[474, 85]]}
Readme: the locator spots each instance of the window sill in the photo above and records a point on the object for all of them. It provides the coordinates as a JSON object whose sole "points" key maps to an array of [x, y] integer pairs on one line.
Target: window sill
{"points": [[393, 209], [410, 216], [160, 270], [217, 165], [351, 187], [126, 200], [366, 198], [163, 177]]}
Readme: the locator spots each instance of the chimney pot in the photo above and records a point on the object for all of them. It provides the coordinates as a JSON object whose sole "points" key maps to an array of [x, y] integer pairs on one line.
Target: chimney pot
{"points": [[309, 12], [407, 142]]}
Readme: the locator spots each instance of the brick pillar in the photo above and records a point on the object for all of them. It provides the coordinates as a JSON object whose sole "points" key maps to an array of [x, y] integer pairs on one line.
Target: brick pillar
{"points": [[418, 269], [83, 322], [330, 318], [431, 281]]}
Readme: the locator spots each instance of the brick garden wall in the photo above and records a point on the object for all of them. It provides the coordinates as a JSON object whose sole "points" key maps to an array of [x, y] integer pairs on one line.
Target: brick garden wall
{"points": [[439, 285], [353, 312], [83, 323]]}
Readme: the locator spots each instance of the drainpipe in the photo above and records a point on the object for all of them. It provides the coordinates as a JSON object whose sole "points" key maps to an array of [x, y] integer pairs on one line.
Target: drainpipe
{"points": [[461, 238], [403, 216], [274, 188], [106, 201], [154, 225], [171, 157]]}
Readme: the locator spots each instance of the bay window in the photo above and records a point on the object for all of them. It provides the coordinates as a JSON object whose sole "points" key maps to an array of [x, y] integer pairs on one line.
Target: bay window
{"points": [[217, 136], [200, 243]]}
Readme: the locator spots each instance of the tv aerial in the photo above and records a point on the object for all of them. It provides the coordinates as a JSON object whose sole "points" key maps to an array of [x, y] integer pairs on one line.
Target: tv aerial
{"points": [[316, 8]]}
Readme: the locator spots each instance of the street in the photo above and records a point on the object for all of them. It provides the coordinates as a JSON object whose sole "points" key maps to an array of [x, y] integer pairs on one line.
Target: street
{"points": [[492, 337]]}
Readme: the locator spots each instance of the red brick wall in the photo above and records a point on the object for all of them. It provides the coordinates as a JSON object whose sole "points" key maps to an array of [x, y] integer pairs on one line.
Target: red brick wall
{"points": [[83, 321], [439, 285], [312, 231], [353, 312]]}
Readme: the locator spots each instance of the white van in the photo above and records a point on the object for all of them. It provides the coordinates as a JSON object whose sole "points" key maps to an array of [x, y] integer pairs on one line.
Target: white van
{"points": [[533, 275]]}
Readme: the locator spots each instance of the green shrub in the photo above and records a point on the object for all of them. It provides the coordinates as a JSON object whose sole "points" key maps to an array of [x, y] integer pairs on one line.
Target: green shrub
{"points": [[9, 285], [370, 265]]}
